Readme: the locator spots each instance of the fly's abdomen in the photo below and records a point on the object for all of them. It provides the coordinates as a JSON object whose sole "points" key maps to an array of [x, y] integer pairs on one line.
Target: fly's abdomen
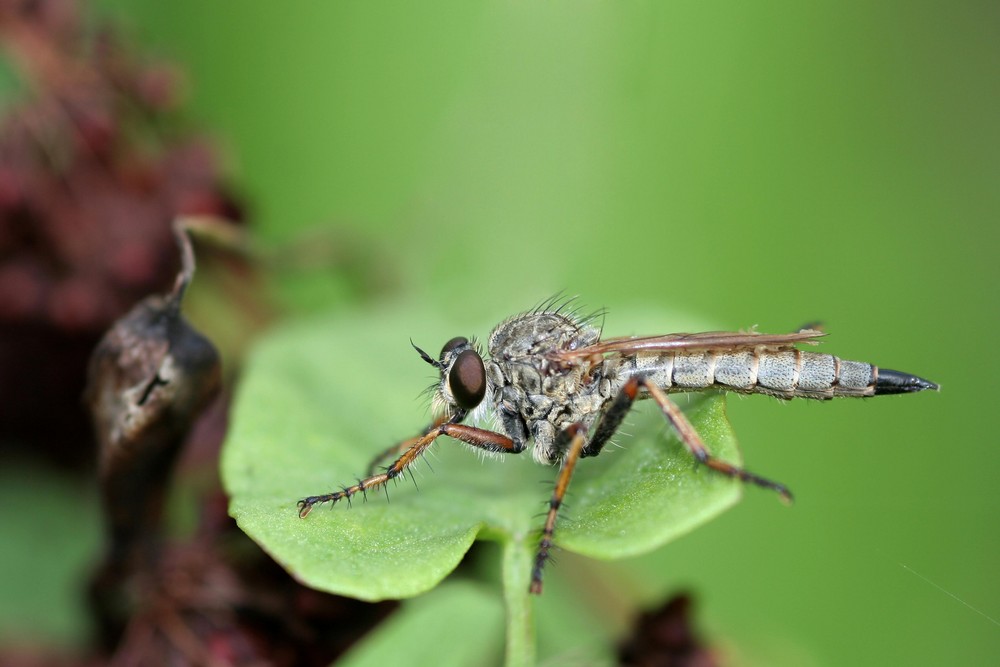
{"points": [[792, 373], [788, 373]]}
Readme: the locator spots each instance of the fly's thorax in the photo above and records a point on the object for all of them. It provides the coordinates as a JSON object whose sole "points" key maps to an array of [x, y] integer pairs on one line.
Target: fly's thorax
{"points": [[534, 398], [532, 388], [538, 334], [518, 390], [535, 405], [520, 366]]}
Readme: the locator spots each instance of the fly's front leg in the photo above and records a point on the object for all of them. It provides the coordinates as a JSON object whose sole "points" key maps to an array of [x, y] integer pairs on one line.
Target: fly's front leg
{"points": [[477, 437], [400, 447], [689, 436]]}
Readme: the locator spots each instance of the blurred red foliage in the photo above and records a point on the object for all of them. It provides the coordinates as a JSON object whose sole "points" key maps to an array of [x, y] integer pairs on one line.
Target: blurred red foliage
{"points": [[94, 166]]}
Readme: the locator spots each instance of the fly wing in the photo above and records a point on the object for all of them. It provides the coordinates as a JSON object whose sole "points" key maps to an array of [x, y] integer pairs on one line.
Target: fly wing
{"points": [[710, 340]]}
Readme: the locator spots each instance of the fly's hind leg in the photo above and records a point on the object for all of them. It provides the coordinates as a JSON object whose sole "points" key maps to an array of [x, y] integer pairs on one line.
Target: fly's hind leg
{"points": [[614, 415], [580, 447], [692, 441]]}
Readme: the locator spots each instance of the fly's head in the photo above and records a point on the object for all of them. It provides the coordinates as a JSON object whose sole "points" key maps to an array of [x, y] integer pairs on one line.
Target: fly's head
{"points": [[462, 384]]}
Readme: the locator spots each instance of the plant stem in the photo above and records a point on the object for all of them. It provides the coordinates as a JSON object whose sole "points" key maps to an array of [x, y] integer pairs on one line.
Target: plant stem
{"points": [[517, 555]]}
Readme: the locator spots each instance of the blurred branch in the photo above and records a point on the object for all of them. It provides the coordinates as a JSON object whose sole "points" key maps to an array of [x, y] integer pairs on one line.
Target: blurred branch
{"points": [[92, 172], [150, 377]]}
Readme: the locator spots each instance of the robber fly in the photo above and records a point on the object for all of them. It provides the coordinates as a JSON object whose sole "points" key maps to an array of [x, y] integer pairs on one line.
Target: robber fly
{"points": [[549, 380]]}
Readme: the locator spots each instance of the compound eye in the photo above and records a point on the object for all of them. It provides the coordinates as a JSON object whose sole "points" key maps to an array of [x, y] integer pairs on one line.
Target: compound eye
{"points": [[467, 379], [457, 341]]}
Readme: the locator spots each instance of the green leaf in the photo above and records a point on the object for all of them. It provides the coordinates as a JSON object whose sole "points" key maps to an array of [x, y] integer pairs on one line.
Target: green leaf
{"points": [[319, 399], [52, 538], [457, 624]]}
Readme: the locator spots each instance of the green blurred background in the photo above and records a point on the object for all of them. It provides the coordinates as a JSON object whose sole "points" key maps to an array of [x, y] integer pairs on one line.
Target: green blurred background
{"points": [[750, 163]]}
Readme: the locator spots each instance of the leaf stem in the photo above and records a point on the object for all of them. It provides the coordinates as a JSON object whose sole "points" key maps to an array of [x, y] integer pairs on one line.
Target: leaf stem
{"points": [[520, 647]]}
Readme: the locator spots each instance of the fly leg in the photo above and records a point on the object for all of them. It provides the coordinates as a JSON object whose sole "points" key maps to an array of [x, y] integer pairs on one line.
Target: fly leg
{"points": [[400, 447], [611, 419], [576, 437], [614, 415], [689, 436], [477, 437], [579, 447]]}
